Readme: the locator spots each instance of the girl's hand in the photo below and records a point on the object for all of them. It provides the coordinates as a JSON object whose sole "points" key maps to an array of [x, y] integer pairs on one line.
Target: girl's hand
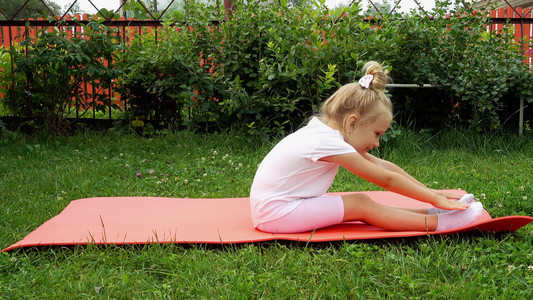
{"points": [[445, 203], [447, 195]]}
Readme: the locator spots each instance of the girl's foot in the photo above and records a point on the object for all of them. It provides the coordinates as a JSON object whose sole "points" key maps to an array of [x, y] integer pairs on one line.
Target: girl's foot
{"points": [[459, 218]]}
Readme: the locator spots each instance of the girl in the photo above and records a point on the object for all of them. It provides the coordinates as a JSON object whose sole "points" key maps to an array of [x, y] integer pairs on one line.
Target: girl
{"points": [[287, 195]]}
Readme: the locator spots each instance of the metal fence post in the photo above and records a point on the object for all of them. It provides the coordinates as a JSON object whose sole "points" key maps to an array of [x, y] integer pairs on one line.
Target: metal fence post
{"points": [[521, 117]]}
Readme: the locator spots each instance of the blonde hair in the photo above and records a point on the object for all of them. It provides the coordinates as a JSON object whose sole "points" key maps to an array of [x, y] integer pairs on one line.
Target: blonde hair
{"points": [[352, 98]]}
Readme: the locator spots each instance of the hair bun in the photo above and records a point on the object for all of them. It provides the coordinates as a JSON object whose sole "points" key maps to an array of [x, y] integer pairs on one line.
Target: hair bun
{"points": [[381, 77]]}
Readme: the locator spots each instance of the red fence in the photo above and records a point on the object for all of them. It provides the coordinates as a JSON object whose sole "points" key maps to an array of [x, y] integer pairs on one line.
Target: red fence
{"points": [[12, 32], [16, 31], [523, 29]]}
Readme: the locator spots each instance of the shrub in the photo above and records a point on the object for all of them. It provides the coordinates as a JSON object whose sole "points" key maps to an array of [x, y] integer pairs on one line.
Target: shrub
{"points": [[11, 86], [473, 69], [268, 68], [56, 63], [264, 70], [169, 76]]}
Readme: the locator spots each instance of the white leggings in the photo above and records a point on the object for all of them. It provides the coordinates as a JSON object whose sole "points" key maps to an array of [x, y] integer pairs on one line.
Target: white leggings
{"points": [[311, 214]]}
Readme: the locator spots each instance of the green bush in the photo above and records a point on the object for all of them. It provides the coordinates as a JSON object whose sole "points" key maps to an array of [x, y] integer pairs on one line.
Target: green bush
{"points": [[474, 69], [56, 63], [267, 68], [165, 80], [11, 86], [270, 67]]}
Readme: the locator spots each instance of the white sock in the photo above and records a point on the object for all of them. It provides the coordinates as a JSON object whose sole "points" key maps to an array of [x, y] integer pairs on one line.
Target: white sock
{"points": [[460, 218], [437, 211]]}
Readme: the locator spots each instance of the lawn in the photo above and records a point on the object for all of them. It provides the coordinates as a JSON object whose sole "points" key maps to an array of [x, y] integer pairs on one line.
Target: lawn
{"points": [[40, 175]]}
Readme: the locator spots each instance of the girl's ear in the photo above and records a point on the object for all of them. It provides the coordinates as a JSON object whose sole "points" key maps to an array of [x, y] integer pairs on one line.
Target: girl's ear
{"points": [[351, 122], [354, 119]]}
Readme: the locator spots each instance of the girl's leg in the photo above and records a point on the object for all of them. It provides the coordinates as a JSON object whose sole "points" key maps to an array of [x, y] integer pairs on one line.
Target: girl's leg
{"points": [[325, 211], [311, 214], [359, 207], [415, 210]]}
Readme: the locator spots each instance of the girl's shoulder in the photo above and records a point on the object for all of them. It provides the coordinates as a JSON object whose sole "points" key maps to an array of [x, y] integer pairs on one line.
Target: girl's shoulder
{"points": [[320, 132], [315, 126]]}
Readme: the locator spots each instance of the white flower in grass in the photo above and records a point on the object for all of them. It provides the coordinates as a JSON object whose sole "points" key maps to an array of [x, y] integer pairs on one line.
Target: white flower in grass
{"points": [[186, 181], [522, 188], [510, 268], [524, 198], [121, 155], [202, 159], [530, 268]]}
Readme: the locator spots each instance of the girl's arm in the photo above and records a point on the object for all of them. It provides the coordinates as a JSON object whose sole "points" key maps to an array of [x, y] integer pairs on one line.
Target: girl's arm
{"points": [[387, 165], [388, 176]]}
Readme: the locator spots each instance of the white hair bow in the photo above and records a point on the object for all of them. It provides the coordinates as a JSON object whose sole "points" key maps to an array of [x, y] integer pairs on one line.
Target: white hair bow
{"points": [[366, 80]]}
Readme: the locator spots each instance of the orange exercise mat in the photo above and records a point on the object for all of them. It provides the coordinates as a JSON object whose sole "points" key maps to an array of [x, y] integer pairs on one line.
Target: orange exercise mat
{"points": [[141, 220]]}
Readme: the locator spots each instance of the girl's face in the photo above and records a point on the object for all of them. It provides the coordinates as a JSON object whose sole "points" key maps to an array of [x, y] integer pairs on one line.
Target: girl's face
{"points": [[366, 137]]}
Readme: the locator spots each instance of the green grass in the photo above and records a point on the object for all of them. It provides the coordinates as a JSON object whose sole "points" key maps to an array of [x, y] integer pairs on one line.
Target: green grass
{"points": [[40, 175]]}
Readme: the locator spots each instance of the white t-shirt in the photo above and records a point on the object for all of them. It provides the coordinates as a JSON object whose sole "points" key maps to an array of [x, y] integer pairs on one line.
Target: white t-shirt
{"points": [[292, 172]]}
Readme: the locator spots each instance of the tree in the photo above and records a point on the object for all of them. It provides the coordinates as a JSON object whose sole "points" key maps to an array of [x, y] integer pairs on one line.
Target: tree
{"points": [[300, 3], [383, 6], [32, 9], [74, 9]]}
